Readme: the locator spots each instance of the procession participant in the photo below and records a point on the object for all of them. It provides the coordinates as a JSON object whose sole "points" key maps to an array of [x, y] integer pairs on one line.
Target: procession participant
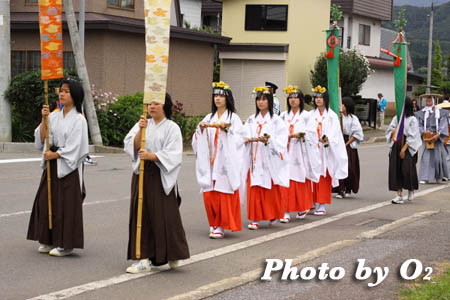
{"points": [[325, 145], [445, 111], [265, 164], [403, 154], [298, 197], [68, 138], [276, 102], [433, 127], [163, 239], [218, 144], [353, 136]]}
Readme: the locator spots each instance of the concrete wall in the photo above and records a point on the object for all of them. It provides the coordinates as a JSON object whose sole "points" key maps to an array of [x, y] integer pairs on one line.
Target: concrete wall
{"points": [[305, 34]]}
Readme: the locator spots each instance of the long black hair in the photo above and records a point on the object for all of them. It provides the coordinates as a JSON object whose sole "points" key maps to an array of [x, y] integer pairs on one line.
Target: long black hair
{"points": [[326, 100], [409, 108], [168, 105], [76, 92], [349, 105], [229, 100], [269, 98], [302, 101]]}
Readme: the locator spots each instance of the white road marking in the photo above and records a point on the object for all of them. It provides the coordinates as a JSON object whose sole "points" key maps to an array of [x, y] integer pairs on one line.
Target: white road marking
{"points": [[20, 160], [85, 204], [77, 290]]}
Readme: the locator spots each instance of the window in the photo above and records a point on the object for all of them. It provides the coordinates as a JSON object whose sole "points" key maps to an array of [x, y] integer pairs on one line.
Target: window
{"points": [[409, 88], [364, 34], [129, 4], [23, 61], [266, 17], [31, 2]]}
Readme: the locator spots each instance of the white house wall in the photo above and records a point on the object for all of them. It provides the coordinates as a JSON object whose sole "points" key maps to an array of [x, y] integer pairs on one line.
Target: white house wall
{"points": [[382, 81], [192, 12], [352, 22]]}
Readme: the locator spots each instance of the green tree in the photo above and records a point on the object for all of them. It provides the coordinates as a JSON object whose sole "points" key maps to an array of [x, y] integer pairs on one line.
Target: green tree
{"points": [[436, 65], [354, 69]]}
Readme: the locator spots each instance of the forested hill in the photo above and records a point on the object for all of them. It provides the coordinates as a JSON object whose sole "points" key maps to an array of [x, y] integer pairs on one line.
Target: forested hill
{"points": [[417, 30], [418, 2]]}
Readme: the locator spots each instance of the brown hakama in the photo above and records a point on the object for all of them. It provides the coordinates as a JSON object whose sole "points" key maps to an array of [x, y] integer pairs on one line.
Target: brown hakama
{"points": [[162, 238], [351, 183], [67, 201], [402, 172]]}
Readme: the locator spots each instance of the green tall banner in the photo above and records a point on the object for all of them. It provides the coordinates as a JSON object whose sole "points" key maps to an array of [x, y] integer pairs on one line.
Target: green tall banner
{"points": [[400, 73], [333, 68]]}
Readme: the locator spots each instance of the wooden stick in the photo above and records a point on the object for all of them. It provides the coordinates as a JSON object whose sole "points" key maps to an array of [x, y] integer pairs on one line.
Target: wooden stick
{"points": [[47, 147], [141, 191]]}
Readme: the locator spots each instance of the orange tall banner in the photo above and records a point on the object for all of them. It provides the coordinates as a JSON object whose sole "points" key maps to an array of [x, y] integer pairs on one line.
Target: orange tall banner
{"points": [[50, 26]]}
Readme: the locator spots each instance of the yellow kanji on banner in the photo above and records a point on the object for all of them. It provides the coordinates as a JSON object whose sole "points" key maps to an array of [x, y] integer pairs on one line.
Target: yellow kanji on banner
{"points": [[50, 27]]}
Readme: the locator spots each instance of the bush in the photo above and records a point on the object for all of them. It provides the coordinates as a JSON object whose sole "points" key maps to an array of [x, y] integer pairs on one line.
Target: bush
{"points": [[26, 95], [354, 69], [118, 117]]}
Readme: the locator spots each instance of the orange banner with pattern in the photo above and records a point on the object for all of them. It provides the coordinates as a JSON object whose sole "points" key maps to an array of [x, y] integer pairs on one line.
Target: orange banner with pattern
{"points": [[50, 27]]}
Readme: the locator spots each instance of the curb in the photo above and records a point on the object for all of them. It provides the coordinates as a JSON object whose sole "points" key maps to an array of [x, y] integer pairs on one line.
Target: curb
{"points": [[9, 147], [375, 139]]}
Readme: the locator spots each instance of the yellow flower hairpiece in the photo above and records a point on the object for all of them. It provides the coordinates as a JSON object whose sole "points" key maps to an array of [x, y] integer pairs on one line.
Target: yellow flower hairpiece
{"points": [[291, 90], [261, 89], [220, 85], [319, 89]]}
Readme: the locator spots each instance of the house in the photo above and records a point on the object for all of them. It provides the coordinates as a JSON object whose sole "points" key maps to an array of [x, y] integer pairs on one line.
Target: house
{"points": [[212, 14], [115, 50], [272, 40], [191, 13]]}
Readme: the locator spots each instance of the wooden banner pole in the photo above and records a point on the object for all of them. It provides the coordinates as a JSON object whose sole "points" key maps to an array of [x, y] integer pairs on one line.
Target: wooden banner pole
{"points": [[141, 191], [47, 147]]}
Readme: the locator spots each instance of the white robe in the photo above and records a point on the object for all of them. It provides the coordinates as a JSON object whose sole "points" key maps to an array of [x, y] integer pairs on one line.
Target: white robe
{"points": [[70, 135], [334, 157], [300, 167], [166, 142], [352, 128], [271, 160], [226, 170], [410, 131]]}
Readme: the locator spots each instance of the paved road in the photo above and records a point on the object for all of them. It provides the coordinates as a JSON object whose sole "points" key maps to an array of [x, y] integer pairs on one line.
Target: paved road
{"points": [[26, 273]]}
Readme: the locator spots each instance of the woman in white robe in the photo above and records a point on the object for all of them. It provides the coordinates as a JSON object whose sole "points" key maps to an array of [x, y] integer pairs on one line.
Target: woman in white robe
{"points": [[163, 239], [298, 197], [68, 136], [326, 145], [265, 161], [218, 144], [353, 136], [403, 154]]}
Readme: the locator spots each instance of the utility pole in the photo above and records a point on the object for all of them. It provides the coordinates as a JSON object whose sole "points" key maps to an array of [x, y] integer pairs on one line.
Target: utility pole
{"points": [[81, 21], [94, 129], [5, 70], [430, 49]]}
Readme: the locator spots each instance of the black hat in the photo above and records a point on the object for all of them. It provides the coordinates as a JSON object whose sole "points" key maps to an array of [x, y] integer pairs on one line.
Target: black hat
{"points": [[272, 85]]}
